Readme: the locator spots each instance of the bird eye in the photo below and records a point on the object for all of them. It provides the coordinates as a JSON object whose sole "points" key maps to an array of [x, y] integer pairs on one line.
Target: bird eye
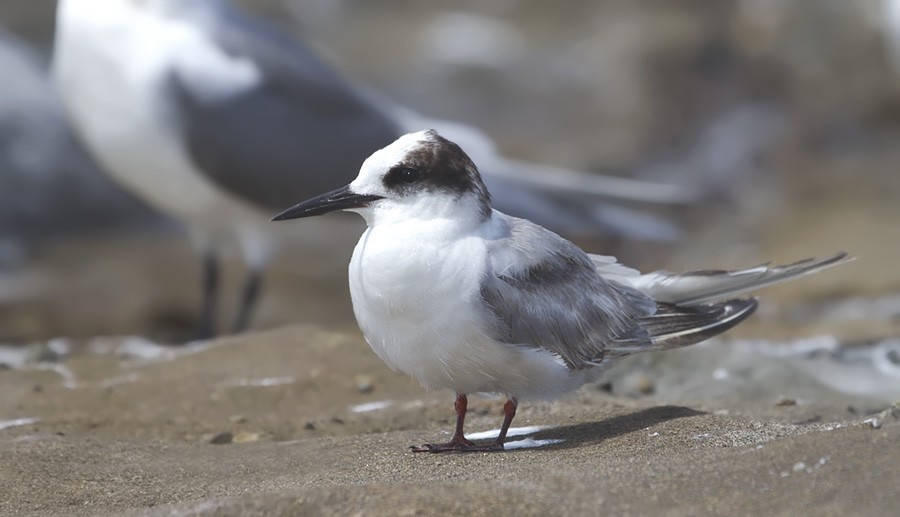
{"points": [[402, 178], [408, 175], [405, 175]]}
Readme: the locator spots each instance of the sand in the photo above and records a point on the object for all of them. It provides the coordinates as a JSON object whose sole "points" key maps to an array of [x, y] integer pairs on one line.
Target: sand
{"points": [[136, 436]]}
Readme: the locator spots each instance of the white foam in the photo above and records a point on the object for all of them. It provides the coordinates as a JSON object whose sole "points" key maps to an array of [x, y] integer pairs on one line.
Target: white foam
{"points": [[69, 380], [371, 406], [121, 379], [263, 382], [6, 424], [136, 347], [13, 356]]}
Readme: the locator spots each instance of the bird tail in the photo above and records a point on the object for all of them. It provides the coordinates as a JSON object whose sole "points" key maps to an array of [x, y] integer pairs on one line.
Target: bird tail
{"points": [[701, 287]]}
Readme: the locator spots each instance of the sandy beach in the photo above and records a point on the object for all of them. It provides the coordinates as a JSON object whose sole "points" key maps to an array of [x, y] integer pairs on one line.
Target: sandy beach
{"points": [[306, 421]]}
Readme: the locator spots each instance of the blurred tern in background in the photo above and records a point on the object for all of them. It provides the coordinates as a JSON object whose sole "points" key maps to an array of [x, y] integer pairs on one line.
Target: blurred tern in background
{"points": [[49, 186], [460, 296], [216, 119]]}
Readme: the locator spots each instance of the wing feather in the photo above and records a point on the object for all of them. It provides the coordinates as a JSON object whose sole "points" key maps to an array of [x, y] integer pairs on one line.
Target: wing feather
{"points": [[543, 291]]}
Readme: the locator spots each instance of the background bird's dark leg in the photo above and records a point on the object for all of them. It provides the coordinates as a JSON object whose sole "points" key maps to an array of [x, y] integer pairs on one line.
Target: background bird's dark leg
{"points": [[249, 296], [207, 323], [458, 442], [509, 412]]}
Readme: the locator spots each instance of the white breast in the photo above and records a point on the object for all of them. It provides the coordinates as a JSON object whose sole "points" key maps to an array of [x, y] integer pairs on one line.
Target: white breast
{"points": [[418, 302]]}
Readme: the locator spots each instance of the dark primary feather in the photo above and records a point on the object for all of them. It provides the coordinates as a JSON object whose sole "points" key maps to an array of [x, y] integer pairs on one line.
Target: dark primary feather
{"points": [[302, 131], [674, 326]]}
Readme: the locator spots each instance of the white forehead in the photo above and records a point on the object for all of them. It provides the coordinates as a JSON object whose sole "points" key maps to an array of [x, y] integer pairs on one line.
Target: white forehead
{"points": [[384, 159], [395, 153]]}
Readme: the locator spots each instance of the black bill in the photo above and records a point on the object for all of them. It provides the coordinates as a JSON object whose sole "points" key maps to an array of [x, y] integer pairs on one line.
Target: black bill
{"points": [[340, 199]]}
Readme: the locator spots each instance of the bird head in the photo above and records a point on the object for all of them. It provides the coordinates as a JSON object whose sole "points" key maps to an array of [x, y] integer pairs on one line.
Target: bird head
{"points": [[419, 176]]}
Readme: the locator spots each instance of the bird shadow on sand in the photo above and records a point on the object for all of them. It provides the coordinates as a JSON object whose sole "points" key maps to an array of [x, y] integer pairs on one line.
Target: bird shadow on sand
{"points": [[589, 433]]}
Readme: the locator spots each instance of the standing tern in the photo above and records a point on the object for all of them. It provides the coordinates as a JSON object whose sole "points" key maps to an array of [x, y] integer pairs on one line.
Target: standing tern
{"points": [[460, 296], [208, 115]]}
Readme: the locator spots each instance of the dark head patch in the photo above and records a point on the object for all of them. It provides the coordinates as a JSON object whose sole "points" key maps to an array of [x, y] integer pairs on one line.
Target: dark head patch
{"points": [[437, 165]]}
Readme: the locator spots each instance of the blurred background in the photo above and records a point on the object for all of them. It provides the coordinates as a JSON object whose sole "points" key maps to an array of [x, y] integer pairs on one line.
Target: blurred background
{"points": [[783, 115]]}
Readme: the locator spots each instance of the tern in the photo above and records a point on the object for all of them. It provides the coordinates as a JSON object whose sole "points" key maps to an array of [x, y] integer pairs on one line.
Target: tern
{"points": [[461, 296], [208, 114]]}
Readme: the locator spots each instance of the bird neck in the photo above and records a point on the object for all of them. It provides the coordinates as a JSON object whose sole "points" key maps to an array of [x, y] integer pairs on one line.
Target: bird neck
{"points": [[431, 214]]}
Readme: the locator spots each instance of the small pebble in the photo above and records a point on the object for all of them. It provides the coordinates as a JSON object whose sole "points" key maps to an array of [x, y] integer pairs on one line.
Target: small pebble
{"points": [[245, 437], [222, 438], [891, 414], [874, 422], [644, 385], [786, 401], [636, 384], [309, 425], [365, 383], [606, 386]]}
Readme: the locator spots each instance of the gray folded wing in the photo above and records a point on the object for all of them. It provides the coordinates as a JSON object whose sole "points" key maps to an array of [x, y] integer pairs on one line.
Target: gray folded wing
{"points": [[543, 291]]}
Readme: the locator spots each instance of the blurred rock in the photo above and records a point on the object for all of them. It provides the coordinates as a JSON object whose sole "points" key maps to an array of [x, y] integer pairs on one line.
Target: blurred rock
{"points": [[246, 437], [223, 438], [364, 383], [890, 415], [634, 384]]}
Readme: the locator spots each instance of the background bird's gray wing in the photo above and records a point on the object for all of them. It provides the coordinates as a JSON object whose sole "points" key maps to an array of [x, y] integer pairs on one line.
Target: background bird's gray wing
{"points": [[573, 202], [301, 131], [543, 291]]}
